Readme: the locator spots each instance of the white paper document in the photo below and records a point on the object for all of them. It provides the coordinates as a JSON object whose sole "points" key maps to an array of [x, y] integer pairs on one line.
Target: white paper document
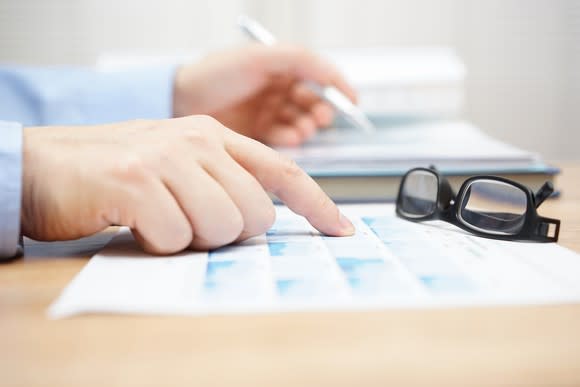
{"points": [[388, 263]]}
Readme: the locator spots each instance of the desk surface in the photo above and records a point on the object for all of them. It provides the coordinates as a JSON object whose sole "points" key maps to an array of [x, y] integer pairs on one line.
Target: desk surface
{"points": [[488, 346]]}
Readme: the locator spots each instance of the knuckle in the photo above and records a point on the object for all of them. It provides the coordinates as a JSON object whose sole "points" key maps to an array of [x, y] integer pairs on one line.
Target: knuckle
{"points": [[198, 138], [132, 168], [202, 131], [207, 119], [325, 204], [132, 180], [204, 121], [289, 168]]}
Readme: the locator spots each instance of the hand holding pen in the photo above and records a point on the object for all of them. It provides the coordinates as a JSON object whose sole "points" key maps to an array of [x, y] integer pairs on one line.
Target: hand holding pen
{"points": [[258, 91]]}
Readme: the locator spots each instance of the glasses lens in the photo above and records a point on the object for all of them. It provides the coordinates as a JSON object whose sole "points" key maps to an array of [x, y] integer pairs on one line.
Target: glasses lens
{"points": [[494, 207], [419, 194]]}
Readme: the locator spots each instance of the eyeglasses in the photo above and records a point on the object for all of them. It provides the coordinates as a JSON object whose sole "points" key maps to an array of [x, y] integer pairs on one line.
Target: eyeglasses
{"points": [[487, 206]]}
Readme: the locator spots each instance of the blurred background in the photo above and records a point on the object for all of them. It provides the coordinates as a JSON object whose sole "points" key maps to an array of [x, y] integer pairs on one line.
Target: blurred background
{"points": [[522, 56]]}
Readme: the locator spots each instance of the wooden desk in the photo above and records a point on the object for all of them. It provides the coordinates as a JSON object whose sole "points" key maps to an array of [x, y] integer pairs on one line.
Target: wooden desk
{"points": [[478, 346]]}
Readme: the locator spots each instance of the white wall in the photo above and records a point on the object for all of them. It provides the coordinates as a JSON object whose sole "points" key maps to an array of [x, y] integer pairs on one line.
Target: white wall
{"points": [[523, 56]]}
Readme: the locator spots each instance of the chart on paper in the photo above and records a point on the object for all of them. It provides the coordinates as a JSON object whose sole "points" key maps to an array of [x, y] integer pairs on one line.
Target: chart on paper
{"points": [[389, 262]]}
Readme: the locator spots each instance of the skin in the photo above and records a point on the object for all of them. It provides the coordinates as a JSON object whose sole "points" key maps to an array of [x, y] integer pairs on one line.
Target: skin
{"points": [[198, 181]]}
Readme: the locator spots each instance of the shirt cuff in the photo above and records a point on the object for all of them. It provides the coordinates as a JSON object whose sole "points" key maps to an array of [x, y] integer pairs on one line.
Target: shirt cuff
{"points": [[10, 189]]}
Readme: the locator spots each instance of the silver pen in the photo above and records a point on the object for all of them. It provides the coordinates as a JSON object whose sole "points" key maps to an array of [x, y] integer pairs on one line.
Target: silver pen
{"points": [[330, 94]]}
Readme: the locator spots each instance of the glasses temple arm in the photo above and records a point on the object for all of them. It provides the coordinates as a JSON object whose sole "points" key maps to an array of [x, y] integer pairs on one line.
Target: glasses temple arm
{"points": [[543, 193]]}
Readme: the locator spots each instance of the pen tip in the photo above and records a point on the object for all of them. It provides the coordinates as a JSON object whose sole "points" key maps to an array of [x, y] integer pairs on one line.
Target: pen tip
{"points": [[363, 123]]}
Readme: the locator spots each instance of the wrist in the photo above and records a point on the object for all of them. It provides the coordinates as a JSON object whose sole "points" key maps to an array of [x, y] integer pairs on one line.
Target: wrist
{"points": [[29, 155], [183, 96]]}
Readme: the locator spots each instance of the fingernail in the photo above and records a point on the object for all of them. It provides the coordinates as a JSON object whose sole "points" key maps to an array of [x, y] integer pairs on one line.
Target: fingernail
{"points": [[346, 225]]}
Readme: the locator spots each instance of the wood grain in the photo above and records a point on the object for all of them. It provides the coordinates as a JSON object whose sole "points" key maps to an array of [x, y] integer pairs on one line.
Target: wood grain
{"points": [[468, 346]]}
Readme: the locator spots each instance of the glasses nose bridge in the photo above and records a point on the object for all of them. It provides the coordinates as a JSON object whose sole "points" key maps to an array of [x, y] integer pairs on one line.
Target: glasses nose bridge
{"points": [[445, 194]]}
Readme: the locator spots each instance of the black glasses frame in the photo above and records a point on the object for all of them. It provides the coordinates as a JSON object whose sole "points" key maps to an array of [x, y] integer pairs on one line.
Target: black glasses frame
{"points": [[448, 206]]}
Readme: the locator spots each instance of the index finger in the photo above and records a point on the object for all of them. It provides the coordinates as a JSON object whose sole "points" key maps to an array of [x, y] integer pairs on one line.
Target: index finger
{"points": [[282, 177]]}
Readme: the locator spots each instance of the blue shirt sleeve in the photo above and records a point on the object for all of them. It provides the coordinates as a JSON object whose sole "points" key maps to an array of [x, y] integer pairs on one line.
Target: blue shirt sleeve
{"points": [[66, 96], [81, 96], [10, 187]]}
